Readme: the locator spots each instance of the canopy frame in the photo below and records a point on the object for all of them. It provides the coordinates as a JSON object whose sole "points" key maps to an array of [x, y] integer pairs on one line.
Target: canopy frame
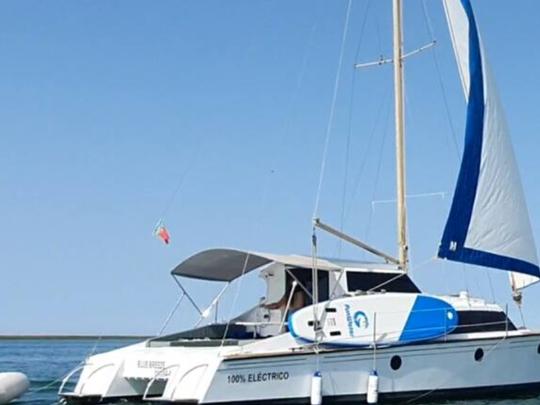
{"points": [[226, 265]]}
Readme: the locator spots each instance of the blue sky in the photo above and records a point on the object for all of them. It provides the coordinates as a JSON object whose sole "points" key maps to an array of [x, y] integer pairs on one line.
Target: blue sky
{"points": [[105, 106]]}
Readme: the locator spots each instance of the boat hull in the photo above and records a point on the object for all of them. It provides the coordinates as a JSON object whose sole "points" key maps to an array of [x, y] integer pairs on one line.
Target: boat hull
{"points": [[465, 369], [460, 369]]}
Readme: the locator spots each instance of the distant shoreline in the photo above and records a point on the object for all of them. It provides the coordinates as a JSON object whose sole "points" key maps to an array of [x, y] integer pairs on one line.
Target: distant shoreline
{"points": [[71, 337]]}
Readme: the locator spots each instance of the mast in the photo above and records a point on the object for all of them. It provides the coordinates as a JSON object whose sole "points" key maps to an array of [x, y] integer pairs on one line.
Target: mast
{"points": [[400, 135]]}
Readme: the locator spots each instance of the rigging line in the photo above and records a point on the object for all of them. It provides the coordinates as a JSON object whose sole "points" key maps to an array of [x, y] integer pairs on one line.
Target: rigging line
{"points": [[237, 293], [440, 79], [349, 129], [96, 343], [378, 33], [332, 108], [378, 172], [180, 183], [315, 300], [169, 317], [386, 282], [466, 367], [424, 263], [521, 316], [441, 194], [488, 274], [289, 113], [465, 279], [366, 154]]}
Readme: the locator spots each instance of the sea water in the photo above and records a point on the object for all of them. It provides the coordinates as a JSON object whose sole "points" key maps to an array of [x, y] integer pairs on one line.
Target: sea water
{"points": [[45, 361]]}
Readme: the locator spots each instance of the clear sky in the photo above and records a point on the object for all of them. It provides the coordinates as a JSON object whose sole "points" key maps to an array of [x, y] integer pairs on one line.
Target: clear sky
{"points": [[105, 106]]}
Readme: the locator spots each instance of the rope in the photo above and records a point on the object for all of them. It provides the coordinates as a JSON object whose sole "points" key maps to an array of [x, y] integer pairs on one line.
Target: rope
{"points": [[378, 173], [349, 129], [363, 160], [94, 348], [61, 378], [332, 109], [386, 282], [237, 293], [286, 126], [425, 394], [521, 315], [314, 289], [179, 184], [440, 79], [492, 290], [169, 317], [54, 382]]}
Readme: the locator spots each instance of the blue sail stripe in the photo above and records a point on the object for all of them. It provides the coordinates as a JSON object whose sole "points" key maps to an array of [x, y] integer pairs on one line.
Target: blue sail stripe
{"points": [[481, 258], [453, 240], [465, 193]]}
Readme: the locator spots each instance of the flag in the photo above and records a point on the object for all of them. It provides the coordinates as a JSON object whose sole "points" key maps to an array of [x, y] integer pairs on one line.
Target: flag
{"points": [[162, 233]]}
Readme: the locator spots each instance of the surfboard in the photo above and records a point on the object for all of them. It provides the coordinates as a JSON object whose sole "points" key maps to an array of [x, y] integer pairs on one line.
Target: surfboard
{"points": [[387, 319]]}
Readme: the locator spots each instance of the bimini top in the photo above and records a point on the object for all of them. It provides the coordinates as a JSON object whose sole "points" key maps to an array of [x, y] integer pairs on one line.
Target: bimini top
{"points": [[228, 264]]}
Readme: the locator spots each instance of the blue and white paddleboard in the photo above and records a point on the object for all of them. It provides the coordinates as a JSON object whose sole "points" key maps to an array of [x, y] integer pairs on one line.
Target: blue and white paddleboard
{"points": [[388, 319]]}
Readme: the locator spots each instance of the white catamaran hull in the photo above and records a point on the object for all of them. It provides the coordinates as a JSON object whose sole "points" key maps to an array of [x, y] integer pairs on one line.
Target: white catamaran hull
{"points": [[466, 368]]}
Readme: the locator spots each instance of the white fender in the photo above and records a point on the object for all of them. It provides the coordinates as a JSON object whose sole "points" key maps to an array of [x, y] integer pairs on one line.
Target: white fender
{"points": [[12, 386], [373, 388], [316, 389]]}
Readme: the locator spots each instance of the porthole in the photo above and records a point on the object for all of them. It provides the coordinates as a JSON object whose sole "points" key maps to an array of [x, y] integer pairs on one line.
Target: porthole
{"points": [[395, 362], [479, 354]]}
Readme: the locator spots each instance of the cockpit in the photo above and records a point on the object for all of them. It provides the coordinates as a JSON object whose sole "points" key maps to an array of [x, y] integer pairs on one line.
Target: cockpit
{"points": [[288, 287]]}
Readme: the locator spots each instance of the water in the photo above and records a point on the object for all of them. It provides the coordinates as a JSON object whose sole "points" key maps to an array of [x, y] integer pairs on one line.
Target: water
{"points": [[44, 361]]}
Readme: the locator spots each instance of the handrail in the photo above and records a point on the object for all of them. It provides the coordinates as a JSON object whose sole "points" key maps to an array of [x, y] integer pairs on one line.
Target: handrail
{"points": [[154, 378], [185, 374], [257, 323], [95, 371], [68, 377]]}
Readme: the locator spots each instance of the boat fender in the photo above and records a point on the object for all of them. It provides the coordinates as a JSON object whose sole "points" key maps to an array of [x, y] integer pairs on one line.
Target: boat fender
{"points": [[12, 386], [316, 388], [373, 388]]}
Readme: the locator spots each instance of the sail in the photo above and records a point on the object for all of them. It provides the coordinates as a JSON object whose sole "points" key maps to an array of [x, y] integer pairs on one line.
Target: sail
{"points": [[488, 224]]}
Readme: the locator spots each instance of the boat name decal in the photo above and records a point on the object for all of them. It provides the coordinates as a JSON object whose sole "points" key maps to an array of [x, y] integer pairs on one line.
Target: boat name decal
{"points": [[258, 377], [156, 365]]}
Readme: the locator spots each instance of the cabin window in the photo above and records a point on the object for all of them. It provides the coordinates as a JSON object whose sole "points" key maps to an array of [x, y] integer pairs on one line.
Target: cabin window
{"points": [[304, 276], [482, 321], [395, 363], [479, 354], [369, 281]]}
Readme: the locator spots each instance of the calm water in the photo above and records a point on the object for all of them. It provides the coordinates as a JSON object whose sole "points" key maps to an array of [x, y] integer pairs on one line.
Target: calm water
{"points": [[45, 361]]}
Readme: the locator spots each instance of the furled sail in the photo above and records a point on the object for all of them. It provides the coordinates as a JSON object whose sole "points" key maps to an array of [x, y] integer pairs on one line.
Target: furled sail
{"points": [[488, 224]]}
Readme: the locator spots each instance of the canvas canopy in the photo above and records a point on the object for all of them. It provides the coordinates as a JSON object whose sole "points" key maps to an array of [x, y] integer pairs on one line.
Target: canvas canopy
{"points": [[228, 264]]}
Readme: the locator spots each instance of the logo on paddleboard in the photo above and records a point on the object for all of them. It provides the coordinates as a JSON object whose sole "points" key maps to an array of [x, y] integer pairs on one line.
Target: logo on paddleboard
{"points": [[358, 320]]}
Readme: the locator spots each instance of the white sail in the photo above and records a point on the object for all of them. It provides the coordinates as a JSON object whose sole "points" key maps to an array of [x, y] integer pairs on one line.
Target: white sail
{"points": [[488, 224]]}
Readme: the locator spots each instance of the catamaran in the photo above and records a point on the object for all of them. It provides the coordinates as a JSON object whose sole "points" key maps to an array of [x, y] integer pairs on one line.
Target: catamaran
{"points": [[332, 330]]}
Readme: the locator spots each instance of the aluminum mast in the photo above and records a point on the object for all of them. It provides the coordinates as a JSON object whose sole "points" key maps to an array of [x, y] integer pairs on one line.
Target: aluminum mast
{"points": [[400, 136]]}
